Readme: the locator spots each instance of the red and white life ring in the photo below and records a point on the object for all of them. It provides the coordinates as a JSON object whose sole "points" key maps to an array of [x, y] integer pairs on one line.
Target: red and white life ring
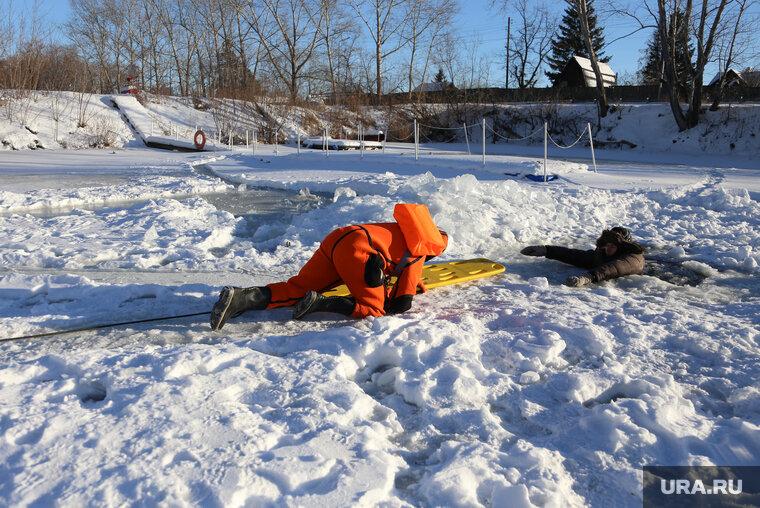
{"points": [[199, 139]]}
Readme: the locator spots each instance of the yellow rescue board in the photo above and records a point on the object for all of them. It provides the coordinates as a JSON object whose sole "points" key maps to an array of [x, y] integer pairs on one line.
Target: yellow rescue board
{"points": [[444, 274]]}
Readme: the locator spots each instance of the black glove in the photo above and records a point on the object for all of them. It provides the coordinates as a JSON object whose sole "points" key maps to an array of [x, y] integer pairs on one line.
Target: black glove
{"points": [[534, 250], [578, 281], [373, 271]]}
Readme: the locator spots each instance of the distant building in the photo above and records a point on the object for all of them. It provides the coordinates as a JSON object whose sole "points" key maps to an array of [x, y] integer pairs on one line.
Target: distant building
{"points": [[373, 135], [747, 77], [443, 86], [579, 73]]}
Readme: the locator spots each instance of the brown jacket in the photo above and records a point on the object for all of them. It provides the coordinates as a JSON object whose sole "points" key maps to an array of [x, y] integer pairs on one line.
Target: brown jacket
{"points": [[628, 260]]}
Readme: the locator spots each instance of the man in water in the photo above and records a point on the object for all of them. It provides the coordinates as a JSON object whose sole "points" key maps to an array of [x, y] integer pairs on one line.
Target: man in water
{"points": [[616, 255]]}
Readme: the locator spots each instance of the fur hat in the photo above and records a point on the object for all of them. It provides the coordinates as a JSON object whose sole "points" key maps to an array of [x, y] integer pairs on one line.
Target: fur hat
{"points": [[625, 233], [621, 237]]}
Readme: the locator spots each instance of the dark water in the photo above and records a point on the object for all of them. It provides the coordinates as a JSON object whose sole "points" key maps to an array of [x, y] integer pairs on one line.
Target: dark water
{"points": [[264, 202], [260, 205], [253, 203], [672, 272]]}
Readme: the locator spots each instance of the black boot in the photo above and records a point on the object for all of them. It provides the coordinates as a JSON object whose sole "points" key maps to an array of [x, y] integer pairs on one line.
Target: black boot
{"points": [[316, 302], [233, 301]]}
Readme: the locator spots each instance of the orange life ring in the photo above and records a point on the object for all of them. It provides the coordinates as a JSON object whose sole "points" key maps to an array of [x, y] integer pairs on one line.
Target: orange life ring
{"points": [[199, 144]]}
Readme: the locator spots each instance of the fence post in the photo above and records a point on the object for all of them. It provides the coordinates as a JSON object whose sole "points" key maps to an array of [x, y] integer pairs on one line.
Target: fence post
{"points": [[416, 140], [484, 142], [361, 140], [254, 141], [467, 139], [545, 149], [591, 142]]}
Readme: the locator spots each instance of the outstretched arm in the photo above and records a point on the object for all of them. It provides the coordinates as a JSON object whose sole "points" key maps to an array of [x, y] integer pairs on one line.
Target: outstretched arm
{"points": [[576, 257]]}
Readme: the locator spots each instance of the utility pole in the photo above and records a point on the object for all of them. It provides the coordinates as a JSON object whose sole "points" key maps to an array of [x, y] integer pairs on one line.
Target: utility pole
{"points": [[509, 26]]}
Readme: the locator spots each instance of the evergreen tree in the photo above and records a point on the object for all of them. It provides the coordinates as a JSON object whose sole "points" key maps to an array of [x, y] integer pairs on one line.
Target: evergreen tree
{"points": [[440, 77], [569, 41], [651, 71]]}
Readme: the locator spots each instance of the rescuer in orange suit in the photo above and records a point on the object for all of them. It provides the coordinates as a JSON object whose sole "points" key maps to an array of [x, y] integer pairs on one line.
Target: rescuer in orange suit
{"points": [[363, 257]]}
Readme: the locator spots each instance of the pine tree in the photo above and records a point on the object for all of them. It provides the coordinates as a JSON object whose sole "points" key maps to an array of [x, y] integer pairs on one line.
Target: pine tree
{"points": [[651, 71], [440, 77], [569, 42]]}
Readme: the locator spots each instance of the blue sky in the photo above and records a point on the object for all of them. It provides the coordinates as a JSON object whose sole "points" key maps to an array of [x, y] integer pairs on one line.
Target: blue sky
{"points": [[490, 25], [477, 20]]}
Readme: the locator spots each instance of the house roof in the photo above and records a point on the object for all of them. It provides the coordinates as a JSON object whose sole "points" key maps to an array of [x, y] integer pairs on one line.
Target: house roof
{"points": [[746, 76], [719, 74], [608, 75], [433, 87]]}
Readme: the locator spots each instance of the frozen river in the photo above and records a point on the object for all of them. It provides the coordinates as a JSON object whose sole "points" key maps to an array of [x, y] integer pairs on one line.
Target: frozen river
{"points": [[511, 391]]}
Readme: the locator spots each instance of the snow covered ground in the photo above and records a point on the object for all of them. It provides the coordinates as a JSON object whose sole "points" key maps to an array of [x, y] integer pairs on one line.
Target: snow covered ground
{"points": [[510, 391]]}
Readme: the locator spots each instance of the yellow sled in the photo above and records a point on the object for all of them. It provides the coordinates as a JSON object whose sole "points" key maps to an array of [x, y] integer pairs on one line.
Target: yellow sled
{"points": [[444, 274]]}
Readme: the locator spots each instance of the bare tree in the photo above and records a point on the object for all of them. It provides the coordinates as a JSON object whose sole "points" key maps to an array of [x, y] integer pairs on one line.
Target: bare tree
{"points": [[216, 65], [86, 28], [130, 46], [338, 33], [242, 37], [384, 20], [462, 61], [708, 23], [152, 41], [109, 32], [739, 31], [23, 61], [7, 30], [427, 21], [180, 21], [602, 104], [530, 42], [448, 56], [290, 37], [351, 65], [705, 25]]}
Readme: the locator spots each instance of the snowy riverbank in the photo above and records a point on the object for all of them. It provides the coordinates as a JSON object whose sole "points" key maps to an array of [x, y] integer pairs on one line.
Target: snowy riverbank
{"points": [[52, 120]]}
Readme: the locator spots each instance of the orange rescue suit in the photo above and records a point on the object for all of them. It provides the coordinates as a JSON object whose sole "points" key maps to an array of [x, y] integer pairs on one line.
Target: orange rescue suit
{"points": [[343, 258]]}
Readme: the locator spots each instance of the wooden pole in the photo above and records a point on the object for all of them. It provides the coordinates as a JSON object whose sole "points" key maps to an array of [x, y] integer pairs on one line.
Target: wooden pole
{"points": [[591, 142], [545, 149], [484, 142]]}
